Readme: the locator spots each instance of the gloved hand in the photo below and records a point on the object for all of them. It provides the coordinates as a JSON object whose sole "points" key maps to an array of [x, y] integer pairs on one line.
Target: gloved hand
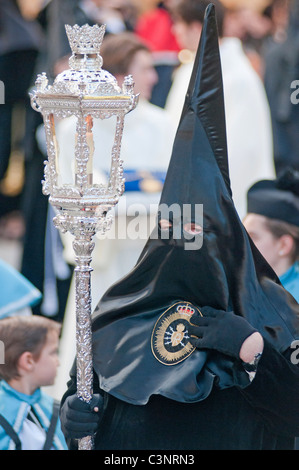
{"points": [[79, 418], [219, 330]]}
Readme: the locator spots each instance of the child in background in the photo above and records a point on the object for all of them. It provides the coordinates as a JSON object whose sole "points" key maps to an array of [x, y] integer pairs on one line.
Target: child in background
{"points": [[273, 224], [28, 417]]}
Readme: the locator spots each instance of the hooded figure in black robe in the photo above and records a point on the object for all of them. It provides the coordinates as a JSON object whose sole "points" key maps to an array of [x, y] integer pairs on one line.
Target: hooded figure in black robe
{"points": [[168, 374]]}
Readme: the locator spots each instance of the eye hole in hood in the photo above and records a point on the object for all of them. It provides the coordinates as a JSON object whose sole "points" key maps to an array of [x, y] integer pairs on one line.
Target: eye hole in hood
{"points": [[193, 228], [165, 224]]}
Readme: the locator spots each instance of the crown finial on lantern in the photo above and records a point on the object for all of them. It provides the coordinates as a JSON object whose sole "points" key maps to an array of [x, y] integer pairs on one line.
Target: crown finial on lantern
{"points": [[85, 39]]}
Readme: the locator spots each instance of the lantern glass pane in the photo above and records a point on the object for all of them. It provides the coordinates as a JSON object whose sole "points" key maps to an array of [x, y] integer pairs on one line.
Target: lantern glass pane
{"points": [[97, 146], [103, 136], [66, 139]]}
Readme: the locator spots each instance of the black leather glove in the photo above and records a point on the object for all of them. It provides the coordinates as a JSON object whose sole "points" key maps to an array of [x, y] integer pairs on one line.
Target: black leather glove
{"points": [[219, 330], [78, 418]]}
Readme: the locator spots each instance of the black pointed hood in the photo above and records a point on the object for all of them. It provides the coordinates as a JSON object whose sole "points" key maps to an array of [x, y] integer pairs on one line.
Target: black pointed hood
{"points": [[205, 257]]}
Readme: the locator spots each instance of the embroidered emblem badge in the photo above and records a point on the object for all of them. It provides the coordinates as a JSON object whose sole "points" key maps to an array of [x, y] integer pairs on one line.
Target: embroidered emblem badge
{"points": [[170, 339]]}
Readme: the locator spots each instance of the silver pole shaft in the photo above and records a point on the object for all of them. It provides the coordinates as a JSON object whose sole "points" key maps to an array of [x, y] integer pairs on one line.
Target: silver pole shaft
{"points": [[83, 247]]}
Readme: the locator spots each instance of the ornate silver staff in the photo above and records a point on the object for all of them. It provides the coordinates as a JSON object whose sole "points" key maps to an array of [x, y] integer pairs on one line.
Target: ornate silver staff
{"points": [[83, 93]]}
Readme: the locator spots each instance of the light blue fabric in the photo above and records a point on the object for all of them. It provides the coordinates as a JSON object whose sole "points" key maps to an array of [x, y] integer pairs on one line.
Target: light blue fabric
{"points": [[16, 292], [290, 280], [14, 406]]}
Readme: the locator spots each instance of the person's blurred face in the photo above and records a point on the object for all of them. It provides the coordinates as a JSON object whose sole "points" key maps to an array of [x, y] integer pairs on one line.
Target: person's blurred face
{"points": [[265, 241], [187, 35], [144, 73], [45, 367]]}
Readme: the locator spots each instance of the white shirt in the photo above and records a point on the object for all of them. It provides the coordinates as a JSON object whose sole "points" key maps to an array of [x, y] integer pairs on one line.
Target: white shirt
{"points": [[32, 436]]}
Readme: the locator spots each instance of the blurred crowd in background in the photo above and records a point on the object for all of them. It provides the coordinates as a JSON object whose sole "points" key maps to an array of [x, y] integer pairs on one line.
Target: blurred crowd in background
{"points": [[33, 40]]}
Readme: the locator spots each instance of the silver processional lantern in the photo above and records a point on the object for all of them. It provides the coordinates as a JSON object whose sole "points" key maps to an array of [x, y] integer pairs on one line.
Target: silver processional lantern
{"points": [[84, 93]]}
